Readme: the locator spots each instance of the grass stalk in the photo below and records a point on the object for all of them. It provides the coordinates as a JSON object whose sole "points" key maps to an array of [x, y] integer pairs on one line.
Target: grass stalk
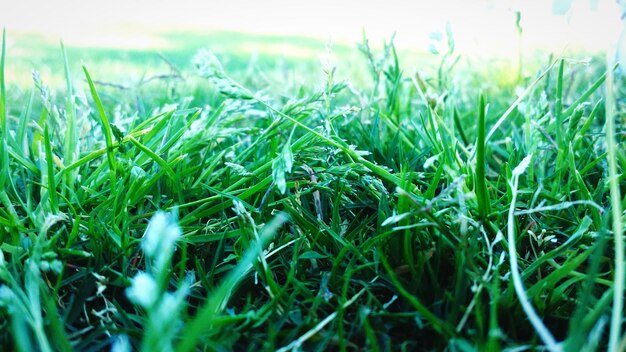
{"points": [[616, 212]]}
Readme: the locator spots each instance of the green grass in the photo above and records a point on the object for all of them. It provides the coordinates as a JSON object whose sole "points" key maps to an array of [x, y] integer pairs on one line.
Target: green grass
{"points": [[265, 206]]}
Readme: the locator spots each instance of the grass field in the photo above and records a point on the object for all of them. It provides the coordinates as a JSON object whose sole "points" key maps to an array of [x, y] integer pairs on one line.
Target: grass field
{"points": [[380, 200]]}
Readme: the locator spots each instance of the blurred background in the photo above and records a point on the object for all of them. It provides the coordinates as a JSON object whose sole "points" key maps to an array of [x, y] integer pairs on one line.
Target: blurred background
{"points": [[124, 33]]}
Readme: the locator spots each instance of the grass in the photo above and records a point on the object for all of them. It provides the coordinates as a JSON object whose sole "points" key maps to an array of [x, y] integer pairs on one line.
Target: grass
{"points": [[222, 207]]}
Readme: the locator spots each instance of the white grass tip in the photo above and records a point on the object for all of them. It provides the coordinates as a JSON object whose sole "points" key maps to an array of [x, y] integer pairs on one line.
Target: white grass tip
{"points": [[522, 166]]}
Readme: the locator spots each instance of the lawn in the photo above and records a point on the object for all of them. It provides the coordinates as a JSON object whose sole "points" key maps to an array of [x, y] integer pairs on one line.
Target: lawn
{"points": [[239, 192]]}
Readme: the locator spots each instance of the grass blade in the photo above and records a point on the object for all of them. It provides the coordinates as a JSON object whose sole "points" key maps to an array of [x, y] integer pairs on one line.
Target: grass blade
{"points": [[481, 182], [71, 150], [597, 84], [616, 211], [4, 147], [52, 189], [218, 298], [558, 106], [106, 127], [519, 99], [438, 325], [535, 320]]}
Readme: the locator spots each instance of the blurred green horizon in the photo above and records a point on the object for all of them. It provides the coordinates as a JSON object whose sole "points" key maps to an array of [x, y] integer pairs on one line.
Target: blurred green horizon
{"points": [[129, 42]]}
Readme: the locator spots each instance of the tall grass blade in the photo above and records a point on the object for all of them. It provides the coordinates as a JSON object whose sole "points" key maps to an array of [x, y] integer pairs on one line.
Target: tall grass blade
{"points": [[71, 149], [558, 106], [52, 189], [616, 211], [106, 129], [481, 181], [4, 148]]}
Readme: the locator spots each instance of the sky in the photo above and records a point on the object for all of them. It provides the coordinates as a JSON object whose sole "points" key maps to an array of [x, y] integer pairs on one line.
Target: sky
{"points": [[478, 26]]}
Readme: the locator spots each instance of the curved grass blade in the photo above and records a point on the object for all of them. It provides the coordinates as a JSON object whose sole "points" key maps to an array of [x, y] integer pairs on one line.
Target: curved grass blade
{"points": [[106, 127], [535, 320]]}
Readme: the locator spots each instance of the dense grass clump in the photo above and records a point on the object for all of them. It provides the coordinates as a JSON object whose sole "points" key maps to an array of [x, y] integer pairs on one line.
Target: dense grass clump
{"points": [[424, 210]]}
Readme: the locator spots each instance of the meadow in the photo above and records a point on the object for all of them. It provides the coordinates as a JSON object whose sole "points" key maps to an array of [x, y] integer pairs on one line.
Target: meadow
{"points": [[353, 197]]}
